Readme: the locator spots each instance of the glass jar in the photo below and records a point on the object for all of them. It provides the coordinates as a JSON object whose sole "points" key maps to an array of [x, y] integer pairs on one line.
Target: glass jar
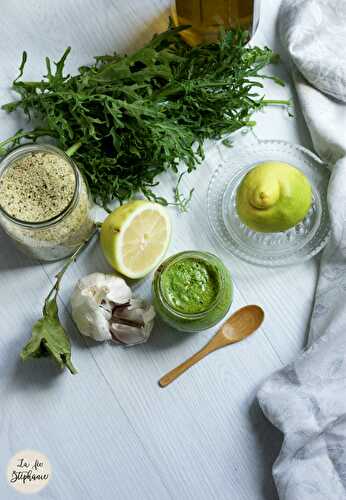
{"points": [[183, 284], [60, 234], [206, 17]]}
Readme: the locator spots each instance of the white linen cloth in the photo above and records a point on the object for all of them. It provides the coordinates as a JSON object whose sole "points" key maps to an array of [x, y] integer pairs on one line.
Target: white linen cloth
{"points": [[307, 399]]}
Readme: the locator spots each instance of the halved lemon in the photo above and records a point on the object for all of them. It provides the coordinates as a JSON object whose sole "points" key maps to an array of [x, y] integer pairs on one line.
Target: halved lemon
{"points": [[135, 237]]}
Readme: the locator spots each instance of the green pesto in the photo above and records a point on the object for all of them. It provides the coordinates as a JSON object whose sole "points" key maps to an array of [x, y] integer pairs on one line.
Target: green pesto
{"points": [[190, 285]]}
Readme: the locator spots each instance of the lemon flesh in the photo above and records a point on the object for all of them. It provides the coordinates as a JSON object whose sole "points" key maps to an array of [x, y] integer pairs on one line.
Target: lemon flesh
{"points": [[135, 237], [273, 197]]}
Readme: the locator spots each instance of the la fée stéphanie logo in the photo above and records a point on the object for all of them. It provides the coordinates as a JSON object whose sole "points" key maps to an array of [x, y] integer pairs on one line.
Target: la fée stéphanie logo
{"points": [[29, 471]]}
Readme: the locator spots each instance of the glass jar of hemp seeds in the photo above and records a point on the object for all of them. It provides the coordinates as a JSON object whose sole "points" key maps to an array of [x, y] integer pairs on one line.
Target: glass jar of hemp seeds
{"points": [[44, 202]]}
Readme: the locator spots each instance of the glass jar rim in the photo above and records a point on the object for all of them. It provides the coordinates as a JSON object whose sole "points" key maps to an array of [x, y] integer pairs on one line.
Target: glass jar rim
{"points": [[21, 151], [200, 255]]}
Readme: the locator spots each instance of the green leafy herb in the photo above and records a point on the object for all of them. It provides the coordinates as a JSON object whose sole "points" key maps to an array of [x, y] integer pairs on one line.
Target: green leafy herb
{"points": [[128, 118], [48, 335]]}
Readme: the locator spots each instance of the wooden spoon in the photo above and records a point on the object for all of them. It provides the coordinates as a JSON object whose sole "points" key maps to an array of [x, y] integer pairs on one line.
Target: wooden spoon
{"points": [[239, 326]]}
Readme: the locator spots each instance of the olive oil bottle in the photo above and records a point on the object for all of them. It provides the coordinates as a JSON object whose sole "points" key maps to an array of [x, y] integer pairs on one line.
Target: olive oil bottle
{"points": [[206, 17]]}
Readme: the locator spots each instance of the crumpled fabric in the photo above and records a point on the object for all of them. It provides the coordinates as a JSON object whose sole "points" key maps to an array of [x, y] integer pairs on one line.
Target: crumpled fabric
{"points": [[307, 399]]}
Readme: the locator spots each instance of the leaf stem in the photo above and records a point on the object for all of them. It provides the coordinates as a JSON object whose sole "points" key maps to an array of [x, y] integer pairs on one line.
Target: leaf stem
{"points": [[71, 150], [56, 287], [277, 101]]}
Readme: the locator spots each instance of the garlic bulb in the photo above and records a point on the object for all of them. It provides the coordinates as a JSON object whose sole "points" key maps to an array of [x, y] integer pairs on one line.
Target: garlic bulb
{"points": [[103, 309]]}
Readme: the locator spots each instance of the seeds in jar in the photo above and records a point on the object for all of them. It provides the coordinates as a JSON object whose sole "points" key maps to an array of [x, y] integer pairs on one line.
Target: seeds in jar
{"points": [[44, 202], [37, 187]]}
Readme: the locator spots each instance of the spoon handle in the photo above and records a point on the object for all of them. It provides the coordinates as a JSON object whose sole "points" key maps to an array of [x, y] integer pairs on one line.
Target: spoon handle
{"points": [[176, 372]]}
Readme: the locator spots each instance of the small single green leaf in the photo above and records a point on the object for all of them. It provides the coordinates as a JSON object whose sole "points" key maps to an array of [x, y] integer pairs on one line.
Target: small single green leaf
{"points": [[49, 339]]}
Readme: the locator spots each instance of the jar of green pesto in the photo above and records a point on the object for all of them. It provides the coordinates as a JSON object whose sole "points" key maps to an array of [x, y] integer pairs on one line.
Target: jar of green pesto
{"points": [[192, 291]]}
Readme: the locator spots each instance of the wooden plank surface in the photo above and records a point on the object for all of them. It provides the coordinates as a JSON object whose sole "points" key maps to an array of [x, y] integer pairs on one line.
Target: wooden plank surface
{"points": [[110, 432]]}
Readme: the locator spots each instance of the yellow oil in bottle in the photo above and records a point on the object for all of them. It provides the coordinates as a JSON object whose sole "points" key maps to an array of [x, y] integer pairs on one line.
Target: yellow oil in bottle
{"points": [[206, 17]]}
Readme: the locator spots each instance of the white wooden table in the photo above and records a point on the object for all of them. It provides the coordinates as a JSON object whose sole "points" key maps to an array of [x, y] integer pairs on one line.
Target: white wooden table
{"points": [[110, 432]]}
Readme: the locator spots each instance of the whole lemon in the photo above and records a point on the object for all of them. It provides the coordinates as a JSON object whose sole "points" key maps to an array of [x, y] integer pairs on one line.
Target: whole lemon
{"points": [[273, 196]]}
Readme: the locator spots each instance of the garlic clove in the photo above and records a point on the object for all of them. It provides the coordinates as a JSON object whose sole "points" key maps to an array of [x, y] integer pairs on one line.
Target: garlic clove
{"points": [[129, 335], [132, 324], [118, 290]]}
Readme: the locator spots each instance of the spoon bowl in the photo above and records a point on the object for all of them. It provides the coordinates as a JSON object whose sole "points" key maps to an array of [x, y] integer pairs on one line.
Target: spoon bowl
{"points": [[239, 326]]}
